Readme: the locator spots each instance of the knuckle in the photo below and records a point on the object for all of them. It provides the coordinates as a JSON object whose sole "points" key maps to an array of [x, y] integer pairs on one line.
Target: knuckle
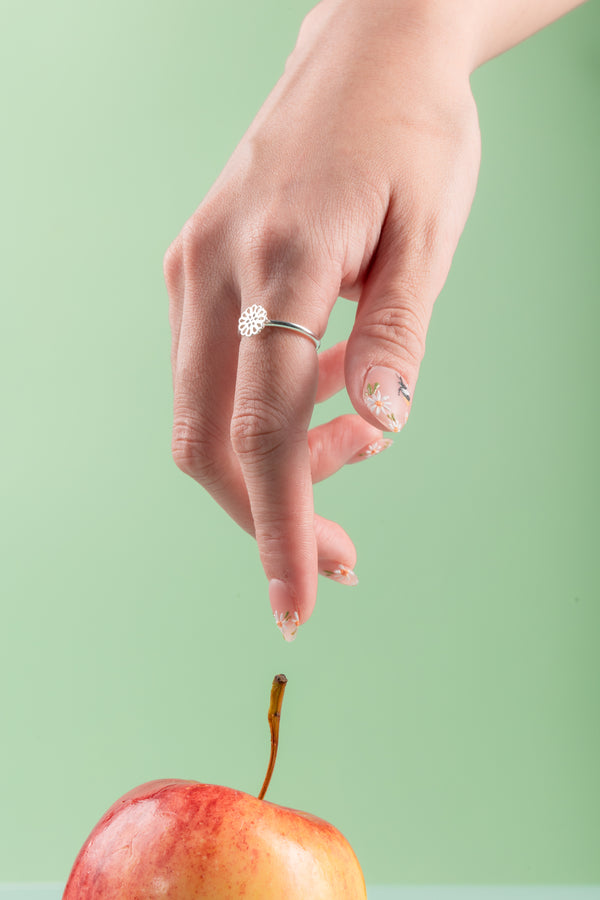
{"points": [[402, 327], [307, 27], [272, 246], [195, 451], [257, 431], [429, 239], [191, 243], [278, 257], [278, 243], [202, 240], [429, 251], [173, 265], [421, 242], [196, 240], [436, 243]]}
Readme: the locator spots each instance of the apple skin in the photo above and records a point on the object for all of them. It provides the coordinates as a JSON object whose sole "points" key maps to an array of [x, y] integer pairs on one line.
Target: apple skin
{"points": [[182, 840]]}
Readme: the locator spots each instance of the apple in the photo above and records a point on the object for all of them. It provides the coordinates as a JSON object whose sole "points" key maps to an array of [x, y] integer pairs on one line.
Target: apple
{"points": [[182, 840], [188, 841]]}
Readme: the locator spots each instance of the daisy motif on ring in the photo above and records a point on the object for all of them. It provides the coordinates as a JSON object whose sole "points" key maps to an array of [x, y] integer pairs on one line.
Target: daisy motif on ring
{"points": [[253, 320]]}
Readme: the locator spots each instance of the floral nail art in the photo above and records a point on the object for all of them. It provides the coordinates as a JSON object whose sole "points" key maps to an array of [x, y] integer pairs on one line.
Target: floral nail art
{"points": [[379, 405], [376, 447], [340, 573], [288, 623], [390, 401], [376, 401]]}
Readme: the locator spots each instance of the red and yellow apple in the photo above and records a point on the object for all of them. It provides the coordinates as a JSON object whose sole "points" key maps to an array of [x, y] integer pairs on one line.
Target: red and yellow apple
{"points": [[182, 840]]}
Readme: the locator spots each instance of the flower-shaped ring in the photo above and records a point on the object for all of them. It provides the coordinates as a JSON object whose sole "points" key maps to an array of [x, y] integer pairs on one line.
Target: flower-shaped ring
{"points": [[255, 318]]}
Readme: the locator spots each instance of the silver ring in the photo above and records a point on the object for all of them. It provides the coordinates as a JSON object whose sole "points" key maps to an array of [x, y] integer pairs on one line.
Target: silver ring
{"points": [[255, 318]]}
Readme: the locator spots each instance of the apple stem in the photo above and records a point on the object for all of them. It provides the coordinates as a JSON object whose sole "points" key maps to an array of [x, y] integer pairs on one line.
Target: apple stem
{"points": [[277, 690]]}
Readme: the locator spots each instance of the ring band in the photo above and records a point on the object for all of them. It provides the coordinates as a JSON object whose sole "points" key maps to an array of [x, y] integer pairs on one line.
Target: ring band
{"points": [[255, 318]]}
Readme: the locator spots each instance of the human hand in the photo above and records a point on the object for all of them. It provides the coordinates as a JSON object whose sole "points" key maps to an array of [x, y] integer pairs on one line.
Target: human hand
{"points": [[355, 180]]}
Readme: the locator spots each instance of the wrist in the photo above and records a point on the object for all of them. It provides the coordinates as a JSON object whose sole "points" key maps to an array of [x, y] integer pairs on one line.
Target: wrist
{"points": [[445, 33], [456, 35]]}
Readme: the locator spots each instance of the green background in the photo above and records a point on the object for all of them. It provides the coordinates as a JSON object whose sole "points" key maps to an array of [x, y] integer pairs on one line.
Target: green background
{"points": [[444, 714]]}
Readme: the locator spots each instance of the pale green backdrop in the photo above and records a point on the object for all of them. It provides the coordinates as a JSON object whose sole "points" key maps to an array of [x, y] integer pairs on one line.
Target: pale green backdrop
{"points": [[444, 714]]}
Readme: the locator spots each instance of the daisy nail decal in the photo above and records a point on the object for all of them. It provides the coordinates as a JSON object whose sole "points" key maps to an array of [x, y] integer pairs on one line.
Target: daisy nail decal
{"points": [[387, 397], [288, 623], [372, 449], [338, 572], [377, 402]]}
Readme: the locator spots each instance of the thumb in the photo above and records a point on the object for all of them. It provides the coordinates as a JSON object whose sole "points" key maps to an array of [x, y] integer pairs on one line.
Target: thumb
{"points": [[387, 343]]}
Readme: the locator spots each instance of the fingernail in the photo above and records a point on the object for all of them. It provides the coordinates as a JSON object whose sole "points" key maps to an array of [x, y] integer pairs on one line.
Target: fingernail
{"points": [[372, 449], [337, 572], [286, 617], [387, 397]]}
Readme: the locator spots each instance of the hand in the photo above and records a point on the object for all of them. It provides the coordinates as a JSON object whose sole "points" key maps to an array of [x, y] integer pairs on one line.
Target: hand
{"points": [[355, 180]]}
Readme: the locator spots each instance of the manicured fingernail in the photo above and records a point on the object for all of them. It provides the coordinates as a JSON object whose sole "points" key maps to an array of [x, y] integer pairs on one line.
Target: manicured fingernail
{"points": [[387, 397], [372, 449], [286, 617], [337, 572], [288, 623]]}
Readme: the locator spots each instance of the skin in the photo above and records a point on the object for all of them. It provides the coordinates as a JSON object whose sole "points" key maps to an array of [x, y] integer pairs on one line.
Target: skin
{"points": [[184, 840], [355, 179]]}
